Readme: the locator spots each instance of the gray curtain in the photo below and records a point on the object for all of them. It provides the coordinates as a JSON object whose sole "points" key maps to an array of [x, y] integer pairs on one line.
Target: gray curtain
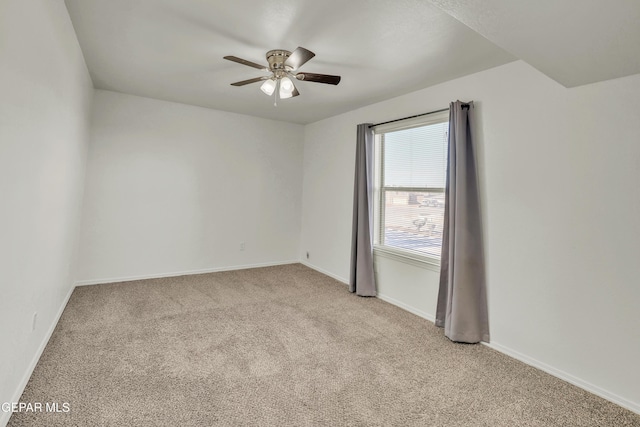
{"points": [[462, 299], [362, 280]]}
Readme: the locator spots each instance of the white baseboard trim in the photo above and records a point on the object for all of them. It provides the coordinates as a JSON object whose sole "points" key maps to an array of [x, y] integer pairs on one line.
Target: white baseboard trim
{"points": [[383, 297], [4, 416], [179, 273], [612, 397], [407, 307], [591, 388], [325, 272], [618, 400]]}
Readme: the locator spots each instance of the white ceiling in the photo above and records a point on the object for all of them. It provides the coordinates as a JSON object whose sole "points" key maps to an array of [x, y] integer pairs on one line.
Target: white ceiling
{"points": [[575, 42], [173, 49]]}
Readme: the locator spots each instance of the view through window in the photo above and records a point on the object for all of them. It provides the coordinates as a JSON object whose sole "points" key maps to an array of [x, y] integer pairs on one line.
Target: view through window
{"points": [[410, 175]]}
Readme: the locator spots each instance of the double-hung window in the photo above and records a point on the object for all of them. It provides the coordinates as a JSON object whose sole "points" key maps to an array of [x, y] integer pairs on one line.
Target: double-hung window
{"points": [[411, 165]]}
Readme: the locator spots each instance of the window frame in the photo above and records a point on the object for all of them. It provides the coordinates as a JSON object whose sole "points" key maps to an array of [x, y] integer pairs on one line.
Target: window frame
{"points": [[399, 254]]}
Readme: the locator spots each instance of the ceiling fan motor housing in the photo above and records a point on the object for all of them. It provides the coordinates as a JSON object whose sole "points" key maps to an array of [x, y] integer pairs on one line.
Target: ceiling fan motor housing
{"points": [[276, 59], [282, 64]]}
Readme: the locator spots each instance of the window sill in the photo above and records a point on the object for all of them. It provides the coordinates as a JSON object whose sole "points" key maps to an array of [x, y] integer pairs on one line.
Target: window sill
{"points": [[408, 258]]}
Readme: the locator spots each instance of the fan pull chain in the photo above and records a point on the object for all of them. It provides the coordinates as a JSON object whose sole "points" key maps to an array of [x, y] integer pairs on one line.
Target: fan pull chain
{"points": [[275, 98]]}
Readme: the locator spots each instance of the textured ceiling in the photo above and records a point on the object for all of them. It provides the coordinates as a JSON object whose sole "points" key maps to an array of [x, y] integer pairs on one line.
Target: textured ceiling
{"points": [[173, 49], [574, 42]]}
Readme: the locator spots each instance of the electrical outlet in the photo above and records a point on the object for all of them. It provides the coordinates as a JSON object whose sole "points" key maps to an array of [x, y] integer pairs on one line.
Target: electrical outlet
{"points": [[34, 321], [242, 246]]}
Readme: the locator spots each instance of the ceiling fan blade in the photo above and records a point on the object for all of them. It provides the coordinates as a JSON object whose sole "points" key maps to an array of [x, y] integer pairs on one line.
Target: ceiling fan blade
{"points": [[245, 62], [318, 78], [246, 82], [298, 58]]}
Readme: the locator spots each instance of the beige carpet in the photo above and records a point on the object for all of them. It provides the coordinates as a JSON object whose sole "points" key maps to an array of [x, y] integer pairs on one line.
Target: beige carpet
{"points": [[281, 346]]}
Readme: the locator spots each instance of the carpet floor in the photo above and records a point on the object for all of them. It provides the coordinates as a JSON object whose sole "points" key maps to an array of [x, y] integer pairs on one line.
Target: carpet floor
{"points": [[281, 346]]}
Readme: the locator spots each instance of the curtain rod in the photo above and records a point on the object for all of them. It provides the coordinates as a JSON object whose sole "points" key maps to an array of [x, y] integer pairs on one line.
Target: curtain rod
{"points": [[417, 115]]}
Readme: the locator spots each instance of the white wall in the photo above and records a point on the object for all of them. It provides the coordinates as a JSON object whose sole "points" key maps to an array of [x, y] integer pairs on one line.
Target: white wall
{"points": [[44, 111], [173, 188], [559, 171]]}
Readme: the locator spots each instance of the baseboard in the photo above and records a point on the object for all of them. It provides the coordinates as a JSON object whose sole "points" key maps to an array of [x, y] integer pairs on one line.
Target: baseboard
{"points": [[383, 297], [407, 307], [179, 273], [632, 406], [325, 272], [4, 416], [591, 388], [618, 400]]}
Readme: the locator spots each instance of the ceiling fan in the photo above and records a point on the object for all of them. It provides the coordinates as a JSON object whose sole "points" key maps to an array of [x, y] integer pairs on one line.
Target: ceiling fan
{"points": [[283, 66]]}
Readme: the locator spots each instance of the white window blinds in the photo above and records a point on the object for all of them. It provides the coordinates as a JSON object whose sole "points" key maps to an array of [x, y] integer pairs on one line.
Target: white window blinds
{"points": [[410, 185]]}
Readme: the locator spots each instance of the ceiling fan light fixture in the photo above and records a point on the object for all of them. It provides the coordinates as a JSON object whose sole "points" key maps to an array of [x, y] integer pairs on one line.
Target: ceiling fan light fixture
{"points": [[286, 88], [282, 64], [268, 87]]}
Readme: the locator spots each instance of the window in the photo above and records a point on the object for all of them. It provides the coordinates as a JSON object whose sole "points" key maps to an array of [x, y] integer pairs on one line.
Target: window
{"points": [[411, 165]]}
